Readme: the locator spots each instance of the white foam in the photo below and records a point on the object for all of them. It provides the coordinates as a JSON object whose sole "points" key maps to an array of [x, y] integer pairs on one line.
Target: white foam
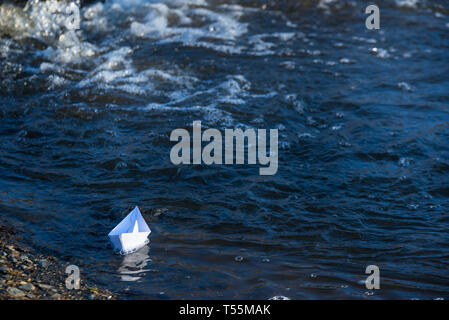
{"points": [[404, 86], [108, 65], [191, 25], [407, 3], [261, 47]]}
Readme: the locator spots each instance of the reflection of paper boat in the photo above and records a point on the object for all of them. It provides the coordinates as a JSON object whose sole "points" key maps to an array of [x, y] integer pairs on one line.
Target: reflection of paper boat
{"points": [[134, 266], [131, 233]]}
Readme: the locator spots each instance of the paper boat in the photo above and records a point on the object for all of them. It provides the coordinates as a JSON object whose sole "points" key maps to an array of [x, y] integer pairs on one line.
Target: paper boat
{"points": [[131, 233]]}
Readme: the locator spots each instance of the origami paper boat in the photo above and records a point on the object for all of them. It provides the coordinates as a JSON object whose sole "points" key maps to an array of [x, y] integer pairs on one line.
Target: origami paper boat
{"points": [[131, 233]]}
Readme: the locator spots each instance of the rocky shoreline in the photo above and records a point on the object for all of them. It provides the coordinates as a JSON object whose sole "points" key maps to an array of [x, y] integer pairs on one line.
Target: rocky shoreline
{"points": [[29, 275]]}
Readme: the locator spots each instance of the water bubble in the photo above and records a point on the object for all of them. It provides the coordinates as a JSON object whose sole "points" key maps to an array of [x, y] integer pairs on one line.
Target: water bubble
{"points": [[121, 165], [305, 135], [405, 162], [290, 98], [381, 53], [407, 55], [299, 107], [337, 127], [289, 65], [281, 127], [427, 196], [404, 86], [346, 61]]}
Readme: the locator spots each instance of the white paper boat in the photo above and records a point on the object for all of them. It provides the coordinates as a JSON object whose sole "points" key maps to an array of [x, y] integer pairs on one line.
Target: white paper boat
{"points": [[131, 233]]}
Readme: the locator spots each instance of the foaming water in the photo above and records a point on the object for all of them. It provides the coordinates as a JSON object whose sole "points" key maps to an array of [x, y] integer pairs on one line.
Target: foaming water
{"points": [[363, 133]]}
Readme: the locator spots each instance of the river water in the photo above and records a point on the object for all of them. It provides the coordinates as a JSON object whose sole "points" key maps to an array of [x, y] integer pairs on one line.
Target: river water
{"points": [[363, 178]]}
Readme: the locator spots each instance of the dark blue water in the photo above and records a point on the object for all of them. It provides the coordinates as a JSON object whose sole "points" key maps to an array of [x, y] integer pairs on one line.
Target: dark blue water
{"points": [[363, 119]]}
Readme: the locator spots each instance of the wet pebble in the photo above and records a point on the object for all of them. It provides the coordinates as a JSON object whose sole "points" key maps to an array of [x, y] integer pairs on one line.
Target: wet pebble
{"points": [[56, 296], [27, 287], [43, 263], [4, 270], [14, 292], [44, 286]]}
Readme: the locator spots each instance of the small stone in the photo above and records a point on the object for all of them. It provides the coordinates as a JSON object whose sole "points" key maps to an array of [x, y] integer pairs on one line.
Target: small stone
{"points": [[4, 278], [238, 259], [14, 292], [27, 287], [43, 263], [44, 286], [4, 270], [92, 297], [31, 296], [56, 296], [24, 257]]}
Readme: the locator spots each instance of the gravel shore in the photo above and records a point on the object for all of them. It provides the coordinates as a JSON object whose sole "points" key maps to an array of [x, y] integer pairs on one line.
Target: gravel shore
{"points": [[29, 275]]}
